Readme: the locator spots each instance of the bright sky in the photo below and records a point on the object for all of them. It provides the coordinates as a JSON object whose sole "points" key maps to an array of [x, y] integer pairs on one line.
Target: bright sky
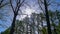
{"points": [[28, 11]]}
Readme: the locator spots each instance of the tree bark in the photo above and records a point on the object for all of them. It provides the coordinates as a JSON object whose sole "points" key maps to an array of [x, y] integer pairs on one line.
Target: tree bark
{"points": [[47, 18], [13, 25]]}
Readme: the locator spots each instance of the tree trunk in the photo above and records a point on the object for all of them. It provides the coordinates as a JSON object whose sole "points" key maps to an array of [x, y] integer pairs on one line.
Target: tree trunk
{"points": [[30, 30], [47, 18], [53, 26], [13, 25], [27, 29], [38, 22]]}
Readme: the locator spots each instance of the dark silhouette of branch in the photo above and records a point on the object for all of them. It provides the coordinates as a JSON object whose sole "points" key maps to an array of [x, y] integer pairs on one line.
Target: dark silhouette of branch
{"points": [[40, 6], [4, 5], [1, 2], [12, 6]]}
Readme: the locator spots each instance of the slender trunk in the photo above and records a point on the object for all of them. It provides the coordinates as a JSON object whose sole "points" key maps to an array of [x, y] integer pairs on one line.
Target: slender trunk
{"points": [[27, 29], [58, 17], [38, 22], [42, 26], [33, 27], [54, 27], [38, 28], [23, 30], [47, 18], [13, 25], [55, 30], [30, 30]]}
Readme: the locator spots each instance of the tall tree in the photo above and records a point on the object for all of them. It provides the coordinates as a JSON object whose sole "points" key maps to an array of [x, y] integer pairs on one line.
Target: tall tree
{"points": [[44, 2], [15, 11], [47, 18]]}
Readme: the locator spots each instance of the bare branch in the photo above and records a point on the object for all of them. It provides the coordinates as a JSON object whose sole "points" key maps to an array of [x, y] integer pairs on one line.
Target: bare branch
{"points": [[1, 2], [17, 3], [40, 6], [41, 1], [19, 6], [12, 6], [4, 5], [25, 3], [50, 3]]}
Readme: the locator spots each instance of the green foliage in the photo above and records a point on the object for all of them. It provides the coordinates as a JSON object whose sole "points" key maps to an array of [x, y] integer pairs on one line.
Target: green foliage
{"points": [[6, 32], [44, 30]]}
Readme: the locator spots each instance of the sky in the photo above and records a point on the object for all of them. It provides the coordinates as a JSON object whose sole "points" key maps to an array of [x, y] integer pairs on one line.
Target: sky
{"points": [[34, 7]]}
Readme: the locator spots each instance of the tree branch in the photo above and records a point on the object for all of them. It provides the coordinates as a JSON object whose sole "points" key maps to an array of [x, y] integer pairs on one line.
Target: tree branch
{"points": [[1, 2], [19, 6], [4, 5], [12, 6]]}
